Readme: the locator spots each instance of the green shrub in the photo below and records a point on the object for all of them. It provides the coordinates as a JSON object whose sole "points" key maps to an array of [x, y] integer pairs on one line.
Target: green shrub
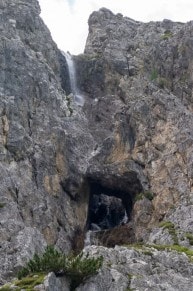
{"points": [[51, 261], [80, 268], [77, 268]]}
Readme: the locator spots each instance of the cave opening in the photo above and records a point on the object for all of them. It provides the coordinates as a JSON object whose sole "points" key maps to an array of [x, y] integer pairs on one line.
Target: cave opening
{"points": [[108, 206]]}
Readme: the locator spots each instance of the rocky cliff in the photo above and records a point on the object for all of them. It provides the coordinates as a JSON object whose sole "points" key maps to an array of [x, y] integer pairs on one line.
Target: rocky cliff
{"points": [[120, 166], [41, 145], [138, 82]]}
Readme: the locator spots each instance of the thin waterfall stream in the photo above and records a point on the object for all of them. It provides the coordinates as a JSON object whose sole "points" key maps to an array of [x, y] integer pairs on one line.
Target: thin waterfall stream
{"points": [[78, 98]]}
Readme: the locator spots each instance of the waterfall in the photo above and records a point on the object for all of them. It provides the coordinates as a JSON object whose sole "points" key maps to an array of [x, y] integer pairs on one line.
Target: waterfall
{"points": [[87, 241], [78, 98], [125, 219]]}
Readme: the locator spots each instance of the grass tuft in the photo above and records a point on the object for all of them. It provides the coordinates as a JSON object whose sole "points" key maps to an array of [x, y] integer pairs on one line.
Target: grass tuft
{"points": [[171, 229], [27, 283]]}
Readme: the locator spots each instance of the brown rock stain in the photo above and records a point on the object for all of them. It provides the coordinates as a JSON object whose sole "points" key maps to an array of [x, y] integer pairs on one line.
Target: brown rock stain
{"points": [[120, 151], [5, 129], [50, 235], [61, 164], [52, 184]]}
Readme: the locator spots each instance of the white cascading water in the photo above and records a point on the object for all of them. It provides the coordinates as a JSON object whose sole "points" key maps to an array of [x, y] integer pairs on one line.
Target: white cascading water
{"points": [[87, 240], [125, 219], [78, 98]]}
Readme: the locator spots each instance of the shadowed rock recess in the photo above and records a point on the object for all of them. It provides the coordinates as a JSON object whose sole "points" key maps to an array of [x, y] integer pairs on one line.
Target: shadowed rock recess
{"points": [[119, 168]]}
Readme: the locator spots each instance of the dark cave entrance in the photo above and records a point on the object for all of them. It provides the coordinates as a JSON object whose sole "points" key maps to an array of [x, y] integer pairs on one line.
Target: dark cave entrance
{"points": [[108, 207]]}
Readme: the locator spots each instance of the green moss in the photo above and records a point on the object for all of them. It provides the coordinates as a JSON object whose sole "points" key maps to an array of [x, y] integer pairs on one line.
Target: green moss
{"points": [[89, 57], [167, 34], [154, 74], [145, 194], [189, 236], [135, 246], [147, 253], [130, 276], [70, 110], [163, 82], [139, 197], [6, 288], [2, 205], [177, 248], [171, 229], [69, 100], [148, 195], [128, 287], [28, 283], [166, 225]]}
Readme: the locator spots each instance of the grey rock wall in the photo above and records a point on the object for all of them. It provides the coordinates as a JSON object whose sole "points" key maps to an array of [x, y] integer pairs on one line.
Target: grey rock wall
{"points": [[141, 113], [133, 136], [140, 269], [42, 147]]}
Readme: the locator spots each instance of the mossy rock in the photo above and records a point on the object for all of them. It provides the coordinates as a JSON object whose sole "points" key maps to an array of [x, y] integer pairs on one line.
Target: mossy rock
{"points": [[28, 283], [189, 236], [2, 205], [171, 229], [167, 35], [145, 194]]}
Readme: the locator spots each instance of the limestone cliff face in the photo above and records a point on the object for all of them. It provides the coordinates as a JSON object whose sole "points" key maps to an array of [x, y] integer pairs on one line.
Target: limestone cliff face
{"points": [[41, 147], [132, 140], [138, 81]]}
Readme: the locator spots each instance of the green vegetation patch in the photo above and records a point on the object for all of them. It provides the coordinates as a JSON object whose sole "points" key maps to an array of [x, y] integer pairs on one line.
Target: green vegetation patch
{"points": [[166, 225], [154, 74], [171, 229], [147, 253], [167, 34], [128, 287], [27, 283], [177, 248], [2, 205], [77, 268], [6, 288], [80, 268], [145, 194], [189, 236]]}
